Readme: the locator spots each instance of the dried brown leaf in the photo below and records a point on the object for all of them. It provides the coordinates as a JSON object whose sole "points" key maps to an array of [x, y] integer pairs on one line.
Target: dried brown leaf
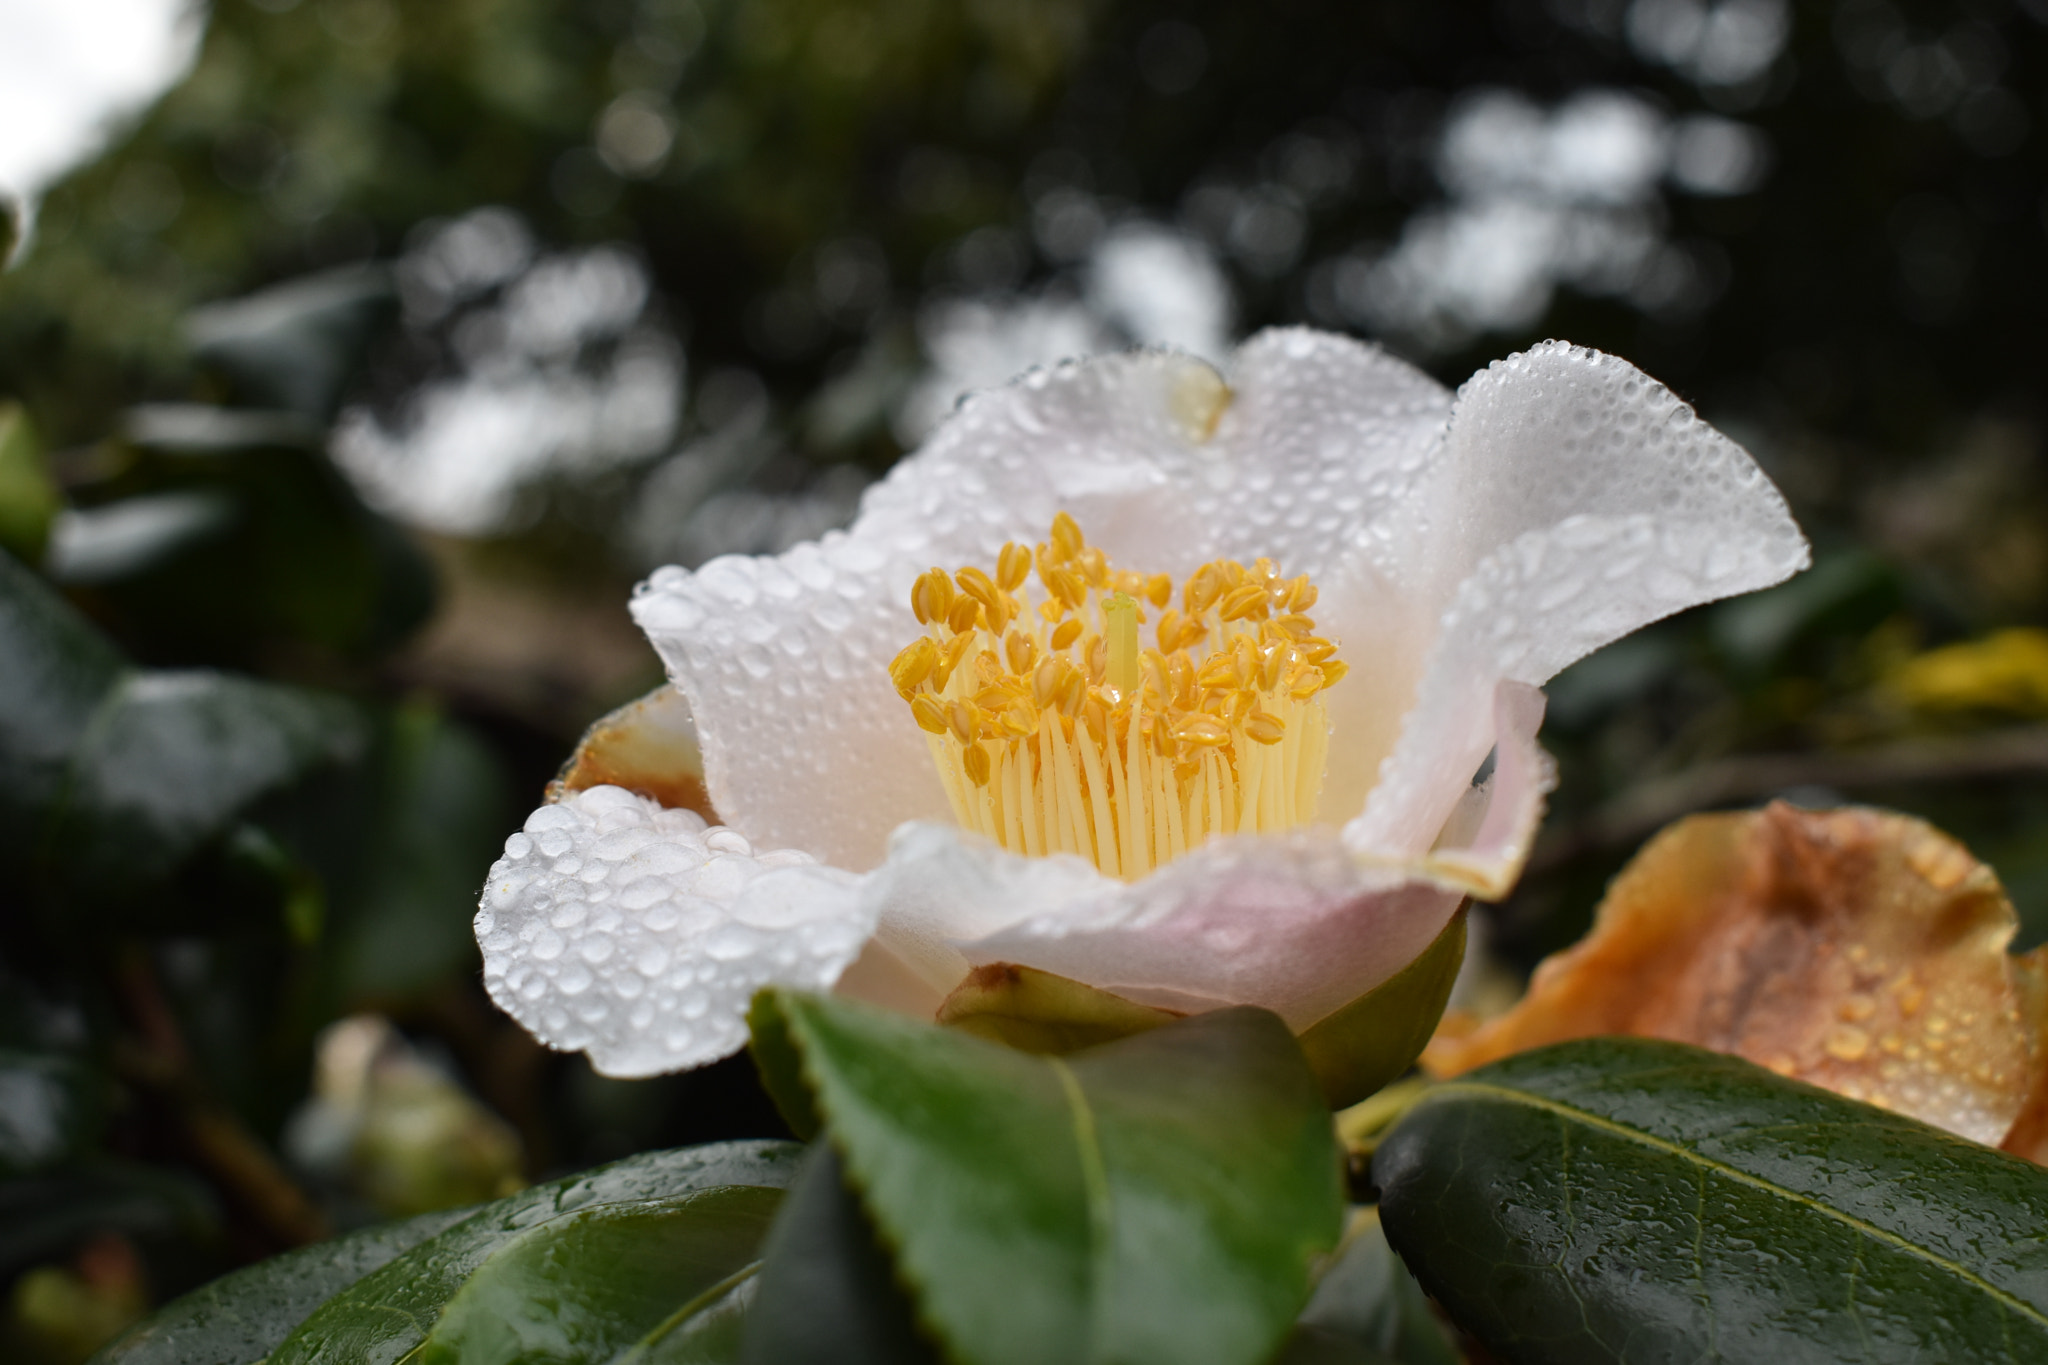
{"points": [[1854, 949]]}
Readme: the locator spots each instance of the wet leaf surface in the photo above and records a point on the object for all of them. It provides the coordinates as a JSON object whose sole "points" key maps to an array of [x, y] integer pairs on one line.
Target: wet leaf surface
{"points": [[1159, 1198], [585, 1287], [240, 1318], [392, 1310], [1630, 1200]]}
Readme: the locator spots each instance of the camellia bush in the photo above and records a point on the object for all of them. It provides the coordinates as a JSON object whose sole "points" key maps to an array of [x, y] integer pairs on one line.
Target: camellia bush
{"points": [[1080, 844]]}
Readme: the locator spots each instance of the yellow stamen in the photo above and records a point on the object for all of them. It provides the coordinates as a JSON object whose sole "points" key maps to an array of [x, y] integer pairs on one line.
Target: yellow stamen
{"points": [[1065, 736], [1120, 627]]}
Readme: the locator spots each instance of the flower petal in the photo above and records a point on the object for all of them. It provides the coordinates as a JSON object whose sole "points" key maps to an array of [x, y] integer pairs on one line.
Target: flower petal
{"points": [[1325, 440], [784, 659], [1575, 500], [639, 934]]}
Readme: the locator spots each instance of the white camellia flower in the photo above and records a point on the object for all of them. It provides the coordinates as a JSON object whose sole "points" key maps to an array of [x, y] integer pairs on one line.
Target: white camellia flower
{"points": [[1134, 759]]}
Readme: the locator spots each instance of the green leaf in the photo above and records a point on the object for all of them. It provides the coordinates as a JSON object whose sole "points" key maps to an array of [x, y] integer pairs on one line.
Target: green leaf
{"points": [[1158, 1198], [1367, 1299], [58, 670], [119, 774], [28, 496], [588, 1285], [390, 1311], [295, 346], [240, 1318], [1035, 1011], [1364, 1045], [1628, 1200], [173, 757], [221, 536], [779, 1064], [826, 1294], [406, 893]]}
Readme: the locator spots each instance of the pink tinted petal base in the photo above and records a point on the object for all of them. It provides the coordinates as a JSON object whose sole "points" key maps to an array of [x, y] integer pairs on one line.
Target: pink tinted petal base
{"points": [[1300, 924]]}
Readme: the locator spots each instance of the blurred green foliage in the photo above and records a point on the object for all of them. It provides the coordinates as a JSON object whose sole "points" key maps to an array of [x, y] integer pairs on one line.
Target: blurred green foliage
{"points": [[253, 767]]}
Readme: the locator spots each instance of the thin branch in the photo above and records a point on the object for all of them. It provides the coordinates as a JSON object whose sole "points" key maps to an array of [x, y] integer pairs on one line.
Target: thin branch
{"points": [[157, 1059], [1641, 810]]}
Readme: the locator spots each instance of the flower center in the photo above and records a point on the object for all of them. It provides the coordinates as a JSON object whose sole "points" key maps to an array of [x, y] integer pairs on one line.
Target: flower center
{"points": [[1055, 732]]}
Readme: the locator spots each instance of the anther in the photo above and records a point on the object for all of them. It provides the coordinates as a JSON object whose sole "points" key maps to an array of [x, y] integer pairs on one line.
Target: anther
{"points": [[1262, 728], [931, 597], [913, 665], [1012, 565], [961, 718], [1066, 536]]}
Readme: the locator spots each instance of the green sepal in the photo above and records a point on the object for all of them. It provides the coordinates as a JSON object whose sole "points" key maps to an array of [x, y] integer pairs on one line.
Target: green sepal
{"points": [[1361, 1047], [1035, 1011]]}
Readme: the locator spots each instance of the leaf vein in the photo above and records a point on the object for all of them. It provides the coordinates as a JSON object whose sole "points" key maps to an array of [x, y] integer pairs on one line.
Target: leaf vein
{"points": [[2012, 1302]]}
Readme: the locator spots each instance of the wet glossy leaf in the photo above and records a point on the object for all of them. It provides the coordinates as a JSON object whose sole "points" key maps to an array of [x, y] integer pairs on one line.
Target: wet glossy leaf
{"points": [[240, 1318], [826, 1294], [58, 670], [173, 757], [1371, 1041], [122, 773], [1354, 1050], [1157, 1198], [390, 1311], [1629, 1200], [226, 533], [588, 1285]]}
